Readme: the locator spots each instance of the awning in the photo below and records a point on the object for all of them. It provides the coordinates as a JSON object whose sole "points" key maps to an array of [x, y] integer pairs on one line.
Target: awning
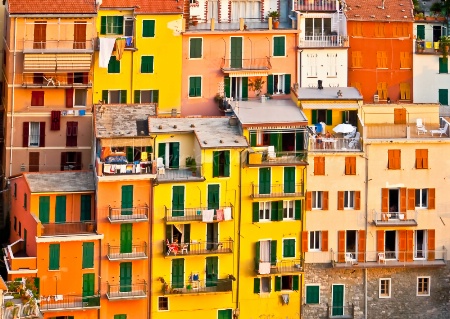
{"points": [[330, 106], [51, 63], [242, 74]]}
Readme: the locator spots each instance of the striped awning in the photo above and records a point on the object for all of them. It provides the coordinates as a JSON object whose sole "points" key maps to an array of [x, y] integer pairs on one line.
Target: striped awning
{"points": [[242, 74], [330, 106], [51, 63]]}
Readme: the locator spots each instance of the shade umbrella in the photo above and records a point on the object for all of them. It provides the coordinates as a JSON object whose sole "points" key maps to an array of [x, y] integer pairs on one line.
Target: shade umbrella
{"points": [[343, 128]]}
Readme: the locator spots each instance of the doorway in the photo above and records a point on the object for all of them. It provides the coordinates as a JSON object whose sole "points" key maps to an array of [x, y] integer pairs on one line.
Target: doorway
{"points": [[351, 243], [390, 244], [338, 300], [394, 202], [420, 244]]}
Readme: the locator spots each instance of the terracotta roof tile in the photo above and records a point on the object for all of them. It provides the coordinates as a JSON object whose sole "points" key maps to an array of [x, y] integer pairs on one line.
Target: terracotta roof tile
{"points": [[146, 6], [379, 10], [52, 6]]}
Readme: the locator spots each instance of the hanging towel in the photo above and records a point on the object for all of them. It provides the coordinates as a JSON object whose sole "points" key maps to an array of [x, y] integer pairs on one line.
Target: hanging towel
{"points": [[106, 48], [120, 46], [227, 213], [123, 169], [208, 215], [220, 216], [129, 41], [264, 268]]}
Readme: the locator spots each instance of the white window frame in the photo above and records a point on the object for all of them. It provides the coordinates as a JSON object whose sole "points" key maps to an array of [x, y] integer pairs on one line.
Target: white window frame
{"points": [[349, 200], [292, 283], [317, 200], [306, 293], [34, 134], [189, 86], [74, 97], [295, 247], [385, 295], [281, 79], [288, 209], [424, 245], [265, 206], [189, 52], [418, 293], [332, 65], [422, 205], [168, 307], [317, 233]]}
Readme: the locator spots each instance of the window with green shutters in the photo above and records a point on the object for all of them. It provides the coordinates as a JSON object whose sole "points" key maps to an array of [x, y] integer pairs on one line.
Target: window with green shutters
{"points": [[276, 211], [195, 48], [85, 207], [195, 86], [88, 285], [443, 96], [312, 294], [111, 25], [53, 257], [279, 46], [120, 316], [421, 32], [88, 255], [44, 209], [113, 65], [443, 65], [60, 209], [147, 64], [148, 28], [288, 248], [221, 164], [286, 283], [146, 96]]}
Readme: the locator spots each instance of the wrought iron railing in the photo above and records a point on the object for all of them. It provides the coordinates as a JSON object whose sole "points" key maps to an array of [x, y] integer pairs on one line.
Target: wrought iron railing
{"points": [[246, 64], [64, 80], [198, 286], [127, 291], [407, 218], [196, 214], [55, 229], [280, 266], [128, 214], [277, 190], [137, 251], [198, 248], [52, 45], [311, 5], [180, 173]]}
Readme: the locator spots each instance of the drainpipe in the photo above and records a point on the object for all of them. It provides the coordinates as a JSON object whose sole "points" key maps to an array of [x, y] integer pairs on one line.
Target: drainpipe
{"points": [[150, 247], [12, 100], [238, 239], [366, 190]]}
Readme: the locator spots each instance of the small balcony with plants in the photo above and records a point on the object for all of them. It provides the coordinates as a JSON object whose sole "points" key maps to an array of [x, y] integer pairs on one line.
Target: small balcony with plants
{"points": [[21, 300], [197, 248]]}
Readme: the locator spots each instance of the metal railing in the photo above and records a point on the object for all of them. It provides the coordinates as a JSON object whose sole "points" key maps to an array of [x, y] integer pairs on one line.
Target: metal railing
{"points": [[64, 302], [128, 214], [280, 266], [70, 46], [335, 144], [57, 80], [55, 229], [427, 47], [198, 248], [277, 190], [180, 173], [125, 169], [283, 157], [311, 5], [323, 41], [137, 251], [341, 311], [246, 64], [132, 291], [196, 214], [198, 286], [395, 218]]}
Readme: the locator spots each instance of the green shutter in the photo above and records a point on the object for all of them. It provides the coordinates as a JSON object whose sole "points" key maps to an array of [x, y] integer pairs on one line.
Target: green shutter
{"points": [[116, 66], [298, 209], [103, 25], [127, 200], [288, 248], [287, 83], [126, 238], [245, 88], [195, 48], [274, 211], [279, 46], [255, 212], [187, 233], [213, 197], [88, 255], [312, 294], [44, 209], [119, 25], [137, 96], [130, 154], [226, 170], [86, 206], [443, 65], [299, 142], [148, 28], [105, 96], [273, 252], [289, 180], [198, 86], [37, 284], [421, 32], [344, 117], [112, 65], [270, 84], [123, 96], [216, 156], [227, 86], [60, 214], [54, 257], [174, 158], [256, 285], [147, 64], [178, 273], [252, 139], [314, 116], [162, 151], [88, 285], [277, 283], [329, 120], [192, 86], [443, 96], [280, 210], [125, 277], [295, 283], [155, 96], [177, 201], [257, 254]]}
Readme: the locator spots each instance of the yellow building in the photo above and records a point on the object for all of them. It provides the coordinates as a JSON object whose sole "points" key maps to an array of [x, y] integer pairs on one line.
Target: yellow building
{"points": [[145, 66]]}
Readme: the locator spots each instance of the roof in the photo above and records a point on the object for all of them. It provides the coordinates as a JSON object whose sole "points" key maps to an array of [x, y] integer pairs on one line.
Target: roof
{"points": [[3, 284], [327, 93], [122, 121], [330, 105], [52, 7], [379, 10], [61, 182], [271, 112], [211, 132], [145, 6]]}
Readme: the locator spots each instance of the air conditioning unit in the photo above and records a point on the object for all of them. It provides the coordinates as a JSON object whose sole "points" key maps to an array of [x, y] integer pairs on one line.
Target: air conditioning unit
{"points": [[376, 98]]}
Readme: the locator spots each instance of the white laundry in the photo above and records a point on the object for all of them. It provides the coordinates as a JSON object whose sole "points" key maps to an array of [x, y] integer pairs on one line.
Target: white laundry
{"points": [[208, 215], [227, 213], [106, 49], [264, 268]]}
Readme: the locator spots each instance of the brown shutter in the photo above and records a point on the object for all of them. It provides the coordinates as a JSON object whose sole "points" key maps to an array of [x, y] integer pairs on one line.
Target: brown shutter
{"points": [[403, 199], [411, 199], [69, 78], [78, 161], [56, 120], [304, 241], [340, 200], [25, 133], [324, 240], [42, 134], [419, 159], [353, 166], [308, 201], [380, 241], [63, 160], [401, 245], [398, 159], [431, 244], [384, 200], [361, 245], [341, 246], [69, 98], [357, 200], [409, 245], [79, 35], [431, 198], [325, 201]]}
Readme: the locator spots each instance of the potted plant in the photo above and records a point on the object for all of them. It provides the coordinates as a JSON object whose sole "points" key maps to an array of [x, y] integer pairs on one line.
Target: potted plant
{"points": [[191, 164], [444, 46], [256, 85], [436, 8], [9, 303], [420, 45], [219, 100], [275, 15]]}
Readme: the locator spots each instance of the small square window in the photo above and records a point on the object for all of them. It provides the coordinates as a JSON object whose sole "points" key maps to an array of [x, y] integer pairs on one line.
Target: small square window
{"points": [[264, 211], [423, 286], [315, 240], [421, 197], [385, 288], [163, 303]]}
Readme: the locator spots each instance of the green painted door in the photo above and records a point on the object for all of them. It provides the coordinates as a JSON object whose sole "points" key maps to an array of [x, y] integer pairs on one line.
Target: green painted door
{"points": [[236, 52], [289, 180], [126, 238], [162, 151], [44, 209], [60, 216], [178, 273], [125, 277], [174, 155], [225, 314], [443, 96], [212, 236], [264, 180], [213, 197], [85, 207], [88, 285], [127, 200], [338, 300], [212, 267], [178, 201]]}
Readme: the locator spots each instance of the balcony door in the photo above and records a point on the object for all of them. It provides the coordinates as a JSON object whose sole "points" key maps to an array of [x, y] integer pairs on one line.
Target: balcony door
{"points": [[178, 273], [264, 180], [125, 277], [212, 267], [289, 180], [214, 197], [420, 244], [236, 52], [88, 285], [212, 236], [127, 200], [338, 300], [126, 238], [40, 35], [79, 35], [170, 153], [177, 201], [60, 216]]}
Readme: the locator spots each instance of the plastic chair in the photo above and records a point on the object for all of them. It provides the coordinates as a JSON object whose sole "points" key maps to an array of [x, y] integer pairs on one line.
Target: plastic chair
{"points": [[349, 258], [381, 258]]}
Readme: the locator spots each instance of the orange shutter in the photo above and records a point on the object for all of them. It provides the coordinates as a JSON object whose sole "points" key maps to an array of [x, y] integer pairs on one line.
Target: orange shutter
{"points": [[397, 159], [354, 59], [325, 201], [379, 59], [431, 244], [340, 200], [380, 90], [394, 30], [308, 201], [401, 245], [380, 241], [341, 246], [431, 198], [390, 159], [321, 166], [425, 158], [411, 199], [347, 166], [409, 245], [357, 200], [361, 245], [304, 241], [384, 200], [353, 160], [403, 199], [384, 63], [418, 159], [324, 240], [384, 90]]}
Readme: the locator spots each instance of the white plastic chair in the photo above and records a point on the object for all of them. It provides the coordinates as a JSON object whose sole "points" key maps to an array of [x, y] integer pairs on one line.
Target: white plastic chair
{"points": [[420, 127], [160, 166], [271, 155], [381, 258], [349, 258], [440, 131]]}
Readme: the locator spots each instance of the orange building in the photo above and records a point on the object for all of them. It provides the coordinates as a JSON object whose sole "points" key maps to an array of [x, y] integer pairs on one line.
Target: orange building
{"points": [[54, 239], [380, 53]]}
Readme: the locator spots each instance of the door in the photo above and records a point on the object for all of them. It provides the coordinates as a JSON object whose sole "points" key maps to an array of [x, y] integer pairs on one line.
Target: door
{"points": [[289, 180], [264, 180], [60, 216], [125, 277], [174, 155], [212, 236], [33, 161], [178, 201], [338, 300], [126, 238], [400, 116], [420, 244], [40, 34], [178, 273], [213, 197], [236, 52], [88, 285], [44, 209], [85, 207], [127, 200], [79, 36], [212, 267]]}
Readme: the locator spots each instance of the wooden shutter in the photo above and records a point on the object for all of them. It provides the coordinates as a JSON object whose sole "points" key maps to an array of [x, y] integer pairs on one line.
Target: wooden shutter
{"points": [[256, 285], [411, 198], [325, 200], [401, 245], [56, 120], [287, 83], [244, 88], [105, 96], [385, 200], [308, 199], [257, 253], [409, 245], [63, 159], [78, 160], [304, 241], [298, 209], [431, 244], [103, 25], [255, 212], [329, 119], [341, 246], [216, 157], [403, 199], [123, 96], [273, 252], [41, 134], [270, 84], [79, 41], [361, 245], [277, 283], [69, 98], [357, 200], [340, 200], [295, 281], [25, 134], [431, 198], [380, 241], [324, 240], [226, 169], [137, 96], [319, 165]]}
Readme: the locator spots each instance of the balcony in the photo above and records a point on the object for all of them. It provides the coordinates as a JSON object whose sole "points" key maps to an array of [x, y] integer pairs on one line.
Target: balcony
{"points": [[427, 47], [323, 41], [279, 267], [132, 170], [128, 215], [316, 6], [236, 24], [335, 144], [70, 228], [137, 290], [382, 219], [346, 312], [259, 156], [130, 43], [196, 214], [277, 190], [69, 302], [198, 287], [59, 80], [138, 251], [17, 260], [196, 248], [58, 46], [248, 65], [182, 173]]}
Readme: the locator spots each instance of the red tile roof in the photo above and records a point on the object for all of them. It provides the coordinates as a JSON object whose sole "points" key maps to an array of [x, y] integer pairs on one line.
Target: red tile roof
{"points": [[146, 6], [379, 10], [51, 7]]}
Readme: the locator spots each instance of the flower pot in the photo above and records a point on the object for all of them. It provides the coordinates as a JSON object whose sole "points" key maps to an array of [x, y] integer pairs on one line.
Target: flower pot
{"points": [[276, 24]]}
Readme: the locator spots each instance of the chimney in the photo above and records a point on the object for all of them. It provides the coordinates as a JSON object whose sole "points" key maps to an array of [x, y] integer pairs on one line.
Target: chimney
{"points": [[382, 4], [319, 84]]}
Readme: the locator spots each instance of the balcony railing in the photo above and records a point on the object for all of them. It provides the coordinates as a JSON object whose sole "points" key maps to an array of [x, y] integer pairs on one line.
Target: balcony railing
{"points": [[129, 215], [256, 64], [395, 218], [240, 23], [341, 311], [196, 214], [65, 302], [198, 286], [15, 263], [68, 46], [279, 267], [181, 173], [70, 228], [137, 290], [138, 251], [311, 5], [198, 248], [277, 190], [324, 41], [62, 80], [130, 42], [125, 169], [427, 47], [335, 144]]}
